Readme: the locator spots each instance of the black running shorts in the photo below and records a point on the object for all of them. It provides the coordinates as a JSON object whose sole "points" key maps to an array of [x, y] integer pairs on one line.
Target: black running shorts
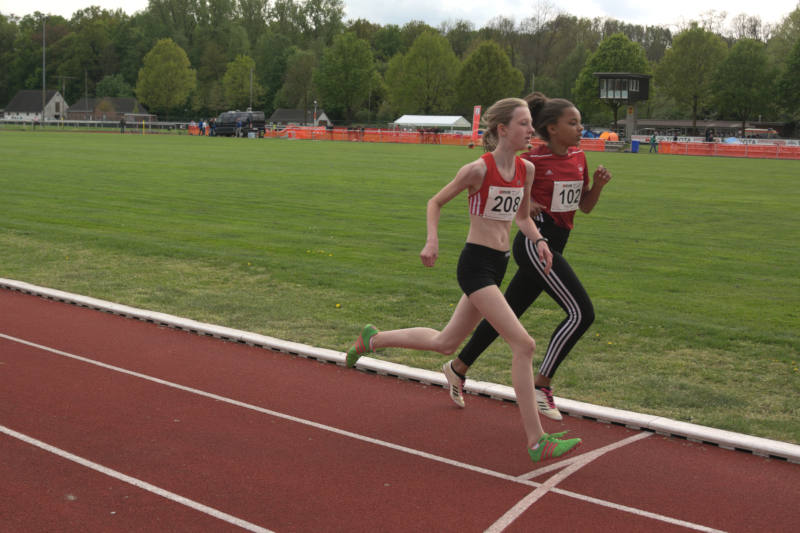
{"points": [[480, 266]]}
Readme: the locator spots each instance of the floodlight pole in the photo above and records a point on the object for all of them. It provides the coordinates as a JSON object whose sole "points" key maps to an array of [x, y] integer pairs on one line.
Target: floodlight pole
{"points": [[44, 23]]}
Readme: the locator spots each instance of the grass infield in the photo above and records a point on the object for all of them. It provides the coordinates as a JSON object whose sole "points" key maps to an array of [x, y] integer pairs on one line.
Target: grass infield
{"points": [[692, 263]]}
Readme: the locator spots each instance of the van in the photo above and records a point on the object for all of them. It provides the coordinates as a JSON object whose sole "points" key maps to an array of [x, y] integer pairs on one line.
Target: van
{"points": [[252, 121]]}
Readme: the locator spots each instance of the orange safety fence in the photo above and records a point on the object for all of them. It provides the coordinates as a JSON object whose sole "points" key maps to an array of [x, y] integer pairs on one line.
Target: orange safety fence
{"points": [[394, 136], [761, 151], [195, 129]]}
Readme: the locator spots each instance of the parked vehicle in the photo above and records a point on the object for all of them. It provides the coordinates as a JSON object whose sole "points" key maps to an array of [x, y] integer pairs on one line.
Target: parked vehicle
{"points": [[251, 121]]}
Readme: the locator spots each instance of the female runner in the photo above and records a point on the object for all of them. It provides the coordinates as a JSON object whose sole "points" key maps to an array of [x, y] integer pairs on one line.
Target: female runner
{"points": [[499, 185], [561, 187]]}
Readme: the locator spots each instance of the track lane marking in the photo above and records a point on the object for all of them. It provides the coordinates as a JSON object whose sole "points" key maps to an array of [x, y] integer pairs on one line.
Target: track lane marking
{"points": [[177, 498], [572, 466], [594, 453], [357, 436]]}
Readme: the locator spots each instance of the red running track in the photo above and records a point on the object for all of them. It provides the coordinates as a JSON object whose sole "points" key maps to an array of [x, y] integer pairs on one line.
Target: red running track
{"points": [[112, 424]]}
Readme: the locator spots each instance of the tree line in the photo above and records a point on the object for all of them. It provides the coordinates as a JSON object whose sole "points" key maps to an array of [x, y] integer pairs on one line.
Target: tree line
{"points": [[197, 58]]}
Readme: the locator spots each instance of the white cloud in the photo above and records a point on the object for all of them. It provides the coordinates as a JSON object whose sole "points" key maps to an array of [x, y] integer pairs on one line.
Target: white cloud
{"points": [[478, 11]]}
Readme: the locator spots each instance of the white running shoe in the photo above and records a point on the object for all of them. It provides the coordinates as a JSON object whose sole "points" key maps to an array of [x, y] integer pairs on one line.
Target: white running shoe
{"points": [[456, 384], [545, 403]]}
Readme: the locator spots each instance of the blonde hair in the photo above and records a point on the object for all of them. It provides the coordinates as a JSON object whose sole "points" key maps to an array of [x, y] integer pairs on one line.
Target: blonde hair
{"points": [[499, 113]]}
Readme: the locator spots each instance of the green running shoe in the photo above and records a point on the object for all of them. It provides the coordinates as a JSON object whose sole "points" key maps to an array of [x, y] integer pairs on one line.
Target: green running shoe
{"points": [[550, 446], [361, 346]]}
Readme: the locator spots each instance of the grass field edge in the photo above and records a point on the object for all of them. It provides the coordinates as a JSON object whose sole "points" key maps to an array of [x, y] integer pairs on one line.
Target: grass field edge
{"points": [[673, 428]]}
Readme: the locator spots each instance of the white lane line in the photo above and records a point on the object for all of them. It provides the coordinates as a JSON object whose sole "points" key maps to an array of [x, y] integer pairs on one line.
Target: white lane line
{"points": [[370, 440], [177, 498], [578, 463], [276, 414], [572, 465], [594, 453], [638, 512]]}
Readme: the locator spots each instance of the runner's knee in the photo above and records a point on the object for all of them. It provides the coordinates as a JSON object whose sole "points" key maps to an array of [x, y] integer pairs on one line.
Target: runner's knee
{"points": [[524, 347], [587, 315], [446, 346]]}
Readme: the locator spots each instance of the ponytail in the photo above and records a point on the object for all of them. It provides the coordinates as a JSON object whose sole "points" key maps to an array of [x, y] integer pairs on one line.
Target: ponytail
{"points": [[545, 111]]}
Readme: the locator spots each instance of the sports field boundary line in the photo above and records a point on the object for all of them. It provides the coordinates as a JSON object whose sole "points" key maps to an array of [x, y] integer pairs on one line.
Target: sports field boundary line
{"points": [[664, 426], [136, 482], [522, 479]]}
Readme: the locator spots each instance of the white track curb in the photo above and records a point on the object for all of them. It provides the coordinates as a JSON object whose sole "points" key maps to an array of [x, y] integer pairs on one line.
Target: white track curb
{"points": [[665, 426]]}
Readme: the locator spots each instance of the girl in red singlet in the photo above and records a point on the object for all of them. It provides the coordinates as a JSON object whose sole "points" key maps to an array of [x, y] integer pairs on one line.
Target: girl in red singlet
{"points": [[561, 187], [499, 185]]}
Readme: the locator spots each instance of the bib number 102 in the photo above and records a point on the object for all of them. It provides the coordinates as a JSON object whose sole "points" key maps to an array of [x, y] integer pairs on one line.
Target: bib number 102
{"points": [[570, 196], [566, 196]]}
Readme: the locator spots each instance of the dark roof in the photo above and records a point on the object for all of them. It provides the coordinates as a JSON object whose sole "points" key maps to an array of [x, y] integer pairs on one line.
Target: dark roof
{"points": [[29, 101], [621, 75], [124, 105], [294, 115], [84, 104], [654, 122], [117, 105]]}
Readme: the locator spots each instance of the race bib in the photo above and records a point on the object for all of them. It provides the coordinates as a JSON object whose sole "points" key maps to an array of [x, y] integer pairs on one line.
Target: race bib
{"points": [[566, 196], [503, 202]]}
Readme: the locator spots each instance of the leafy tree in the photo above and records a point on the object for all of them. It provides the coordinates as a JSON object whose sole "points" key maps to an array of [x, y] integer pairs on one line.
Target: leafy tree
{"points": [[545, 40], [323, 19], [744, 82], [344, 74], [461, 34], [240, 85], [487, 76], [616, 53], [132, 41], [789, 83], [166, 78], [175, 19], [411, 30], [297, 89], [656, 41], [502, 30], [252, 15], [113, 86], [423, 80], [387, 42], [212, 63], [785, 34], [568, 71], [363, 29], [271, 55], [685, 73], [553, 51], [8, 36], [288, 19]]}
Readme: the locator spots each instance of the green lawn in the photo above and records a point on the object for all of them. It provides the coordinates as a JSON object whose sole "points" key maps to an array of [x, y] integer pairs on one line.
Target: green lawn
{"points": [[692, 263]]}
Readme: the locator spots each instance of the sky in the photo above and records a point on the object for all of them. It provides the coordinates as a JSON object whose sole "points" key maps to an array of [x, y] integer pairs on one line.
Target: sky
{"points": [[673, 13]]}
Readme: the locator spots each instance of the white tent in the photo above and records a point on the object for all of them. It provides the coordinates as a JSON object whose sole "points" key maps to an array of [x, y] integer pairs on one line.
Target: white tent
{"points": [[432, 121]]}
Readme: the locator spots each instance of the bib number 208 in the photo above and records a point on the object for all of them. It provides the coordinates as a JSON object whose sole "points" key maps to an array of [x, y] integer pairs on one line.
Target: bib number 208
{"points": [[504, 202]]}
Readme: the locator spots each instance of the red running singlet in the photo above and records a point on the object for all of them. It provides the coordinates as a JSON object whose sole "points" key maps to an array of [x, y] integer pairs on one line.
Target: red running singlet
{"points": [[559, 182], [497, 198]]}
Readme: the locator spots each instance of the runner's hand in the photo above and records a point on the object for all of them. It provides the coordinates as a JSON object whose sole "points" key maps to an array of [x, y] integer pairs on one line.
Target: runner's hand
{"points": [[429, 254], [536, 208], [545, 255], [601, 175]]}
